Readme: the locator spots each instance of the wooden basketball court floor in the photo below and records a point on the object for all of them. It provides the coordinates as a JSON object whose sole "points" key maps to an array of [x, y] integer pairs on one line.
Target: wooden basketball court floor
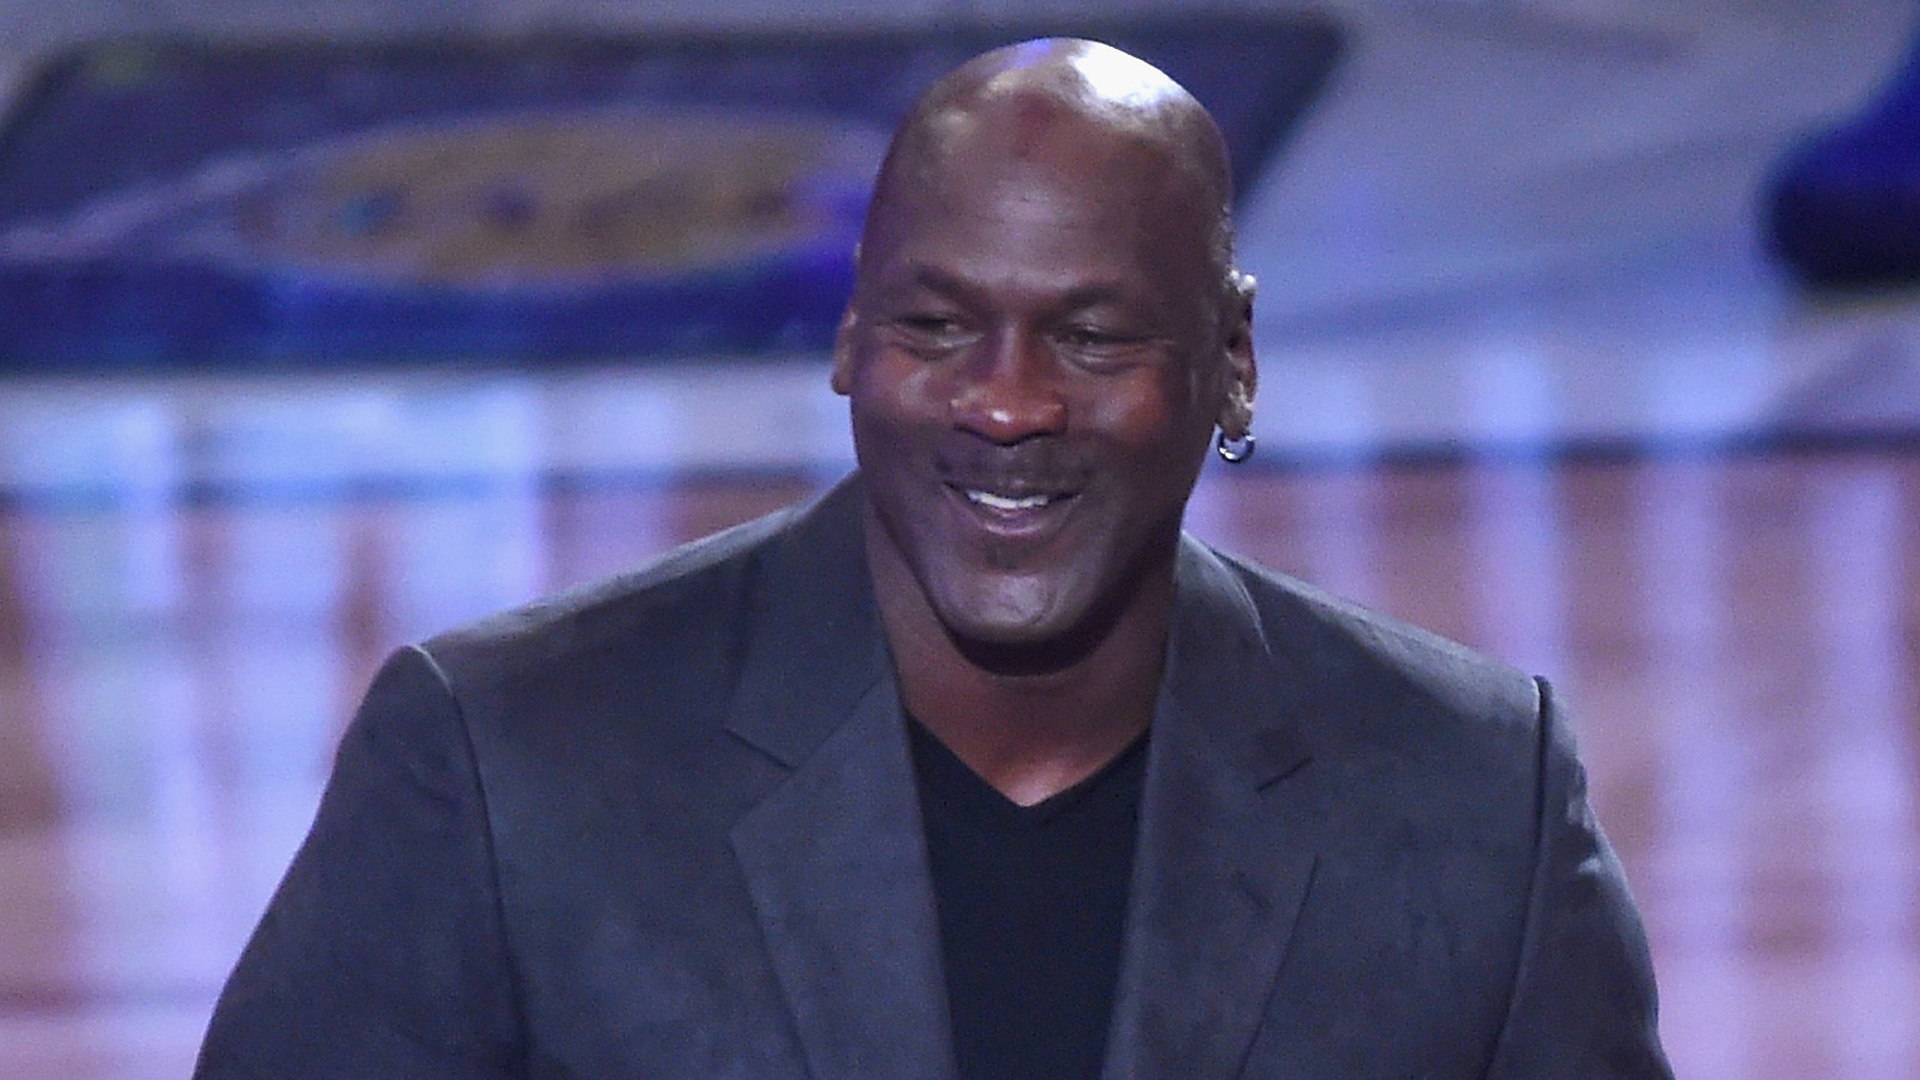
{"points": [[1516, 228], [1740, 637]]}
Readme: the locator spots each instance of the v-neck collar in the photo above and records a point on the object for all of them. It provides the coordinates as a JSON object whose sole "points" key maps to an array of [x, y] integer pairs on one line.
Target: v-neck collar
{"points": [[835, 856], [941, 773]]}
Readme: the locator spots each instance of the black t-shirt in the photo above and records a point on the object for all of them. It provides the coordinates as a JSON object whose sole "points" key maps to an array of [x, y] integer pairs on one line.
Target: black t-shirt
{"points": [[1032, 905]]}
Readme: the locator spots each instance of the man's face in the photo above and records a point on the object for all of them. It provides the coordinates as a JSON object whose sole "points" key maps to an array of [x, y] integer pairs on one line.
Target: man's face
{"points": [[1035, 357]]}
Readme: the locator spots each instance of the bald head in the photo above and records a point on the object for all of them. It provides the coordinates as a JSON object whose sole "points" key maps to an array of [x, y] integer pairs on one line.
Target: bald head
{"points": [[1044, 334], [1058, 96]]}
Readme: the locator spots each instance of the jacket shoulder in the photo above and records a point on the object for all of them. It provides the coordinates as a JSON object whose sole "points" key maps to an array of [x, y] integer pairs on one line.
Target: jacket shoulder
{"points": [[684, 595], [1353, 653]]}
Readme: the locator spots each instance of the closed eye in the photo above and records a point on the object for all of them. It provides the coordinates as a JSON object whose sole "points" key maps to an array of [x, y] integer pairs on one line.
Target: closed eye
{"points": [[933, 331], [1094, 337], [1103, 348], [928, 324]]}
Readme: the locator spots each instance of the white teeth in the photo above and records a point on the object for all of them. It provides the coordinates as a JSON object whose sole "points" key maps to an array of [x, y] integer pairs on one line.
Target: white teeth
{"points": [[1001, 502]]}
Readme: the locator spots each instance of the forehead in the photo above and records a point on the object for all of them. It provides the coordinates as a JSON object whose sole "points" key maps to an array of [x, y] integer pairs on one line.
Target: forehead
{"points": [[1047, 202]]}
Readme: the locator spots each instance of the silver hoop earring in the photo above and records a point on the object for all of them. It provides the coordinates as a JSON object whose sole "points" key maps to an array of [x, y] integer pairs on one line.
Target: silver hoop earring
{"points": [[1233, 451]]}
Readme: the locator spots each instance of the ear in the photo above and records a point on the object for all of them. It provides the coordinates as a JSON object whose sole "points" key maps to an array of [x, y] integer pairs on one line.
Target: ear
{"points": [[1242, 373], [842, 378]]}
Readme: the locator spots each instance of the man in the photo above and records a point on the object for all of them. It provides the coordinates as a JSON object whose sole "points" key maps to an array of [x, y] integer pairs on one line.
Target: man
{"points": [[975, 767]]}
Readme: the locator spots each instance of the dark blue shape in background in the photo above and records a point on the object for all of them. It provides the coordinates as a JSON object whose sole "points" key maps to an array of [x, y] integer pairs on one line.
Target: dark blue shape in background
{"points": [[1844, 207], [75, 136]]}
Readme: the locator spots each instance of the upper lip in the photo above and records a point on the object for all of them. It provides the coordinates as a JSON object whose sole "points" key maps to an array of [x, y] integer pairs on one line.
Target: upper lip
{"points": [[1021, 472], [1010, 487], [1008, 483]]}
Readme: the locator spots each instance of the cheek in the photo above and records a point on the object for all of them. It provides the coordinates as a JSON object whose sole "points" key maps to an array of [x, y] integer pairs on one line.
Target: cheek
{"points": [[1155, 415], [895, 391]]}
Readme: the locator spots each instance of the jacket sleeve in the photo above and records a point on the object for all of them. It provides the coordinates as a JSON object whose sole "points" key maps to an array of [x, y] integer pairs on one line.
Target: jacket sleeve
{"points": [[1583, 1004], [382, 953]]}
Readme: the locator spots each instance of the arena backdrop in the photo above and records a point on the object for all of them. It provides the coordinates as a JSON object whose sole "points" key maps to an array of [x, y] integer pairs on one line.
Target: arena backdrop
{"points": [[168, 203]]}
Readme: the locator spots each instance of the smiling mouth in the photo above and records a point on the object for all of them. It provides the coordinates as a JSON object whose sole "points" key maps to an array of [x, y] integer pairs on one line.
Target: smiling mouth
{"points": [[1020, 511], [1008, 503]]}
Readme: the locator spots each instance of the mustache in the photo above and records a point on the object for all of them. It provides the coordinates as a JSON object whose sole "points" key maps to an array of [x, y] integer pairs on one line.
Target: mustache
{"points": [[1031, 466]]}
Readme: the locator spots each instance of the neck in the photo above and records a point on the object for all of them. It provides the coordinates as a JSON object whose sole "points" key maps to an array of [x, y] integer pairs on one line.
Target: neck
{"points": [[1031, 733]]}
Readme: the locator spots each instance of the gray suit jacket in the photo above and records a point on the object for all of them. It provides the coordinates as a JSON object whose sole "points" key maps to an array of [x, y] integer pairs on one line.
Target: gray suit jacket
{"points": [[667, 827]]}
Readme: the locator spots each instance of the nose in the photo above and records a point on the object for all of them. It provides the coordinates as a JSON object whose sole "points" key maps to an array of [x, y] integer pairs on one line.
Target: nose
{"points": [[1007, 392]]}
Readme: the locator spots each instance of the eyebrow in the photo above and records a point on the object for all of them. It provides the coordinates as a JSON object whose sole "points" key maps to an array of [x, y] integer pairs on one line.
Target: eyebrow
{"points": [[957, 288]]}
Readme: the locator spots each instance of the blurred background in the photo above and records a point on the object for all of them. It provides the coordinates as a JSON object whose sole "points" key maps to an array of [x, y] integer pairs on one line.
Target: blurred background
{"points": [[1589, 335]]}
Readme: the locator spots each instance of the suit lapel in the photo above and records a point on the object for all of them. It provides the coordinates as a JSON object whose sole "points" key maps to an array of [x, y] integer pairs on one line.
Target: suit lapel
{"points": [[837, 867], [1229, 824], [834, 856]]}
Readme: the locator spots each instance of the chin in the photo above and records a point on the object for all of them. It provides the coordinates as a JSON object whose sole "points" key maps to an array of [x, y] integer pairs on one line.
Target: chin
{"points": [[1022, 625]]}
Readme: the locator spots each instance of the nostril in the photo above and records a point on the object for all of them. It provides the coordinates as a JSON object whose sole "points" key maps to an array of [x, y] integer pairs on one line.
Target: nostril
{"points": [[1007, 391], [1002, 419]]}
